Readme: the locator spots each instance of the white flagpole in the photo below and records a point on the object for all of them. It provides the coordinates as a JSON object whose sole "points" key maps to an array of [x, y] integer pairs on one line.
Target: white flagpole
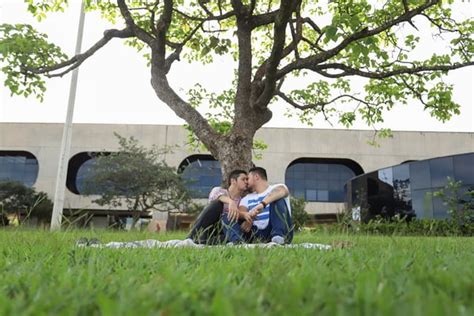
{"points": [[67, 135]]}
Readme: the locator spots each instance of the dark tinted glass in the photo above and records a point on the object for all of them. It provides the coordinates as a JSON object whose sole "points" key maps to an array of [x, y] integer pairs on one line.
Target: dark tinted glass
{"points": [[202, 175], [420, 175], [422, 203], [441, 169], [85, 172], [318, 182], [401, 187], [18, 166], [464, 168], [440, 210], [386, 175]]}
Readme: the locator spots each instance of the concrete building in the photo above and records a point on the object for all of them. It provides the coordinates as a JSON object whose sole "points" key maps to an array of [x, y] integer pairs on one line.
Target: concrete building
{"points": [[314, 163]]}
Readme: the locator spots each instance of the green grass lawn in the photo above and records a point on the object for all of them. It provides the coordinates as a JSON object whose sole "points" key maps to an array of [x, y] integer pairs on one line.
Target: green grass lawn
{"points": [[43, 273]]}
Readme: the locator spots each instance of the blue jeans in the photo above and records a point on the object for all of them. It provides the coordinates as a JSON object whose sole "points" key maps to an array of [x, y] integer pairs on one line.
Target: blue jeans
{"points": [[279, 224]]}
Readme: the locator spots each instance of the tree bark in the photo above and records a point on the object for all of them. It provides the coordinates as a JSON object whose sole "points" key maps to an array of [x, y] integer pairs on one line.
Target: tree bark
{"points": [[236, 153]]}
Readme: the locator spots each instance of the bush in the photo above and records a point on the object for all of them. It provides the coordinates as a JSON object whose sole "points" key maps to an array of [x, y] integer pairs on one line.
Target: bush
{"points": [[460, 206], [400, 226], [298, 213]]}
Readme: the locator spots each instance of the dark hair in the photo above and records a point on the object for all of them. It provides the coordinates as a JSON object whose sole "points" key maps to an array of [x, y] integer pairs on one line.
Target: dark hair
{"points": [[260, 171], [235, 175]]}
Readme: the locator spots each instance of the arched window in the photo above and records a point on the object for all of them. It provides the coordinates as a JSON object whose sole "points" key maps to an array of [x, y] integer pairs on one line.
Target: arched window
{"points": [[320, 179], [202, 172], [20, 166], [79, 170]]}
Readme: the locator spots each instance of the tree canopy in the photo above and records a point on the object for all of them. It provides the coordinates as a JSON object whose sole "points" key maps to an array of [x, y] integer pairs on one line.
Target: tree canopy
{"points": [[16, 198], [270, 43]]}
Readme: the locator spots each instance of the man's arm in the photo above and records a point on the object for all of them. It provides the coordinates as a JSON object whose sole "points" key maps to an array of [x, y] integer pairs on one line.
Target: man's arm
{"points": [[222, 195], [233, 214], [216, 194], [280, 191]]}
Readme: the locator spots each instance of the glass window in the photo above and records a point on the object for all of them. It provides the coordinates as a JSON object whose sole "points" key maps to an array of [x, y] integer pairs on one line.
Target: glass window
{"points": [[323, 195], [401, 187], [311, 195], [85, 172], [441, 169], [386, 175], [18, 166], [464, 168], [420, 175], [422, 203], [202, 174], [318, 180], [440, 210]]}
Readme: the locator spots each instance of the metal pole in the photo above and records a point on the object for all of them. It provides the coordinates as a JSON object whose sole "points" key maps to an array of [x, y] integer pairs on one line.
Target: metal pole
{"points": [[67, 135]]}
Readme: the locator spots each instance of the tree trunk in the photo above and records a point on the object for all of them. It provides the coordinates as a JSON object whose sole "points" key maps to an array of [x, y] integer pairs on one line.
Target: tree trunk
{"points": [[235, 153], [135, 217], [234, 150]]}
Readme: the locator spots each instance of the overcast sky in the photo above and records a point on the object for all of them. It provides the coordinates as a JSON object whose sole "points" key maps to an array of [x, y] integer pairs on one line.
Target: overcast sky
{"points": [[114, 85]]}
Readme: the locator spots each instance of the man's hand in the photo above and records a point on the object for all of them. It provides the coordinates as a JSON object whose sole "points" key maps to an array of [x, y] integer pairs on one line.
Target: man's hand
{"points": [[246, 216], [233, 214], [246, 226], [256, 210]]}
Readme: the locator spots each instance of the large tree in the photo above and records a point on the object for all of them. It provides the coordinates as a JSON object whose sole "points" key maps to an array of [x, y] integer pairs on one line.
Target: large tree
{"points": [[270, 42]]}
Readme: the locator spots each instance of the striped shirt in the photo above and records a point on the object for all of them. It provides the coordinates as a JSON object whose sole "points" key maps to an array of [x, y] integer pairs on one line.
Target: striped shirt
{"points": [[253, 199]]}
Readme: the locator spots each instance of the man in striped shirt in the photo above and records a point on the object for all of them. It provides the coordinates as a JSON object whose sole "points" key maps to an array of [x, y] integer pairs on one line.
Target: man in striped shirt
{"points": [[266, 211]]}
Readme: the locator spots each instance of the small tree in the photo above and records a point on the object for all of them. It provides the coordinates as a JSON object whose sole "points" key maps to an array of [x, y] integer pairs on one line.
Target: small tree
{"points": [[460, 205], [298, 212], [16, 198], [137, 178]]}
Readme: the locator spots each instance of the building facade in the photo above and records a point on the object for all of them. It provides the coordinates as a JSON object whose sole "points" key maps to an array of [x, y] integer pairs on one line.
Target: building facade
{"points": [[409, 189], [314, 163]]}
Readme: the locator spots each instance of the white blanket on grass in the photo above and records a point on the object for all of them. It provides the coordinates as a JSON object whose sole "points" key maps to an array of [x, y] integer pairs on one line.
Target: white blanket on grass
{"points": [[188, 243]]}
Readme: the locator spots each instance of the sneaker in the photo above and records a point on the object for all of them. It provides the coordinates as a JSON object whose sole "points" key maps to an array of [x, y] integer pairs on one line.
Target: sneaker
{"points": [[82, 242], [94, 242], [278, 240]]}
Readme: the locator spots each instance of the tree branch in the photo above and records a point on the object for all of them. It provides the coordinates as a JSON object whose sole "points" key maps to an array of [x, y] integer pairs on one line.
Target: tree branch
{"points": [[313, 25], [349, 71], [179, 47], [319, 104], [159, 69], [244, 73], [77, 60], [139, 32], [314, 60], [209, 18], [263, 19], [279, 35]]}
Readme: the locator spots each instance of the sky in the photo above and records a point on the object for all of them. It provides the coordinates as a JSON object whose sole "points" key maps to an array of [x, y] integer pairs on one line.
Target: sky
{"points": [[114, 85]]}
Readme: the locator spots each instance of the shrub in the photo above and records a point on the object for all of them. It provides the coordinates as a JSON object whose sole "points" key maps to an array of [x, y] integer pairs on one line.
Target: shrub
{"points": [[298, 213]]}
